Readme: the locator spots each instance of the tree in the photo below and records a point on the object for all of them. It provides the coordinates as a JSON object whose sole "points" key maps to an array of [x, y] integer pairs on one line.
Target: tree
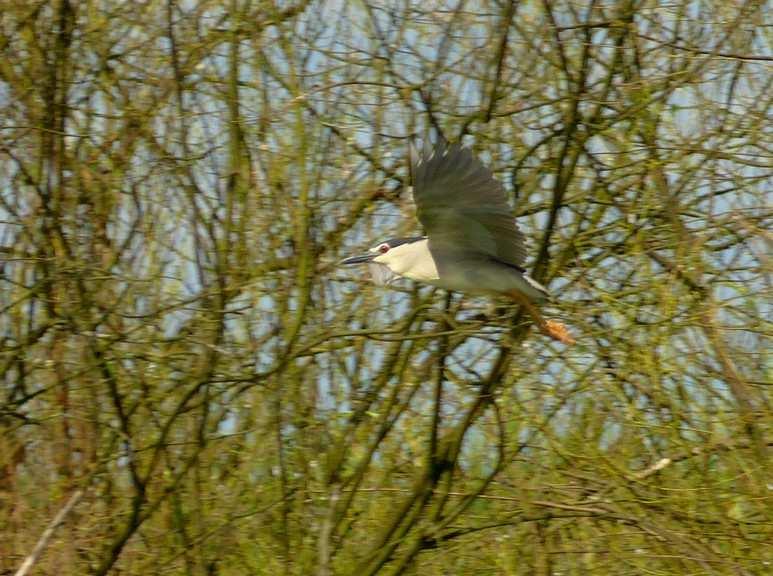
{"points": [[179, 346]]}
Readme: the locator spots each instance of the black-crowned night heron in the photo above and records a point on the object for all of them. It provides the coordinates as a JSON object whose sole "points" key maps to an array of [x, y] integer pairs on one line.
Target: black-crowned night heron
{"points": [[472, 243]]}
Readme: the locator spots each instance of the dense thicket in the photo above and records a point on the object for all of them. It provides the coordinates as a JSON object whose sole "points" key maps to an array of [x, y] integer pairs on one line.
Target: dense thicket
{"points": [[182, 360]]}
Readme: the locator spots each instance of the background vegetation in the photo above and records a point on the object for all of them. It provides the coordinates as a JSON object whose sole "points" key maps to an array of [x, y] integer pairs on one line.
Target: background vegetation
{"points": [[184, 364]]}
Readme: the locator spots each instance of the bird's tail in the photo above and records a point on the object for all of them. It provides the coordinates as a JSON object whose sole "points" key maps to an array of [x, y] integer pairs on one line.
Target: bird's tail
{"points": [[534, 289]]}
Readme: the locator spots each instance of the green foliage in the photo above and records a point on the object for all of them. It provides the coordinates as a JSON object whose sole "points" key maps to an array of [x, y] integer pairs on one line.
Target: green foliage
{"points": [[177, 183]]}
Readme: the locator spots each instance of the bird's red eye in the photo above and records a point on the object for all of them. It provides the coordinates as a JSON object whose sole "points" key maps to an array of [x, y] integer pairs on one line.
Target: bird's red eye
{"points": [[383, 248]]}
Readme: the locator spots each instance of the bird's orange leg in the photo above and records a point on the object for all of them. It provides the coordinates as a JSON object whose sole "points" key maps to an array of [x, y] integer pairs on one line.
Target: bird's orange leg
{"points": [[556, 330]]}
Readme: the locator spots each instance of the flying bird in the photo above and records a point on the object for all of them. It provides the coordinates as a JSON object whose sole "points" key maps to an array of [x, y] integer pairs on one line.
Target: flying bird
{"points": [[471, 245]]}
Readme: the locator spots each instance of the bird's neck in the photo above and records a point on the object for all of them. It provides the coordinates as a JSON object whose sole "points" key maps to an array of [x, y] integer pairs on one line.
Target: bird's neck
{"points": [[414, 261]]}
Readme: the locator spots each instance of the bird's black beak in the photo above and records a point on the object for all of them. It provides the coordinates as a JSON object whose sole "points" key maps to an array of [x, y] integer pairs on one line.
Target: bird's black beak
{"points": [[363, 259]]}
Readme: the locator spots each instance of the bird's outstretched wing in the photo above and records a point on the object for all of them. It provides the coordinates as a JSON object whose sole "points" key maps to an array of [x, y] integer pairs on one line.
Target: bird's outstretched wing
{"points": [[462, 207]]}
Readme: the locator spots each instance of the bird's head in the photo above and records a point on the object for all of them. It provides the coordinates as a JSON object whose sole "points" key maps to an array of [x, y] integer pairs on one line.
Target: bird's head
{"points": [[382, 258]]}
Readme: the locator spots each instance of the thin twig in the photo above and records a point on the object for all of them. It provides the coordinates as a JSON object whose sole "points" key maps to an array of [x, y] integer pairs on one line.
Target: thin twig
{"points": [[30, 560]]}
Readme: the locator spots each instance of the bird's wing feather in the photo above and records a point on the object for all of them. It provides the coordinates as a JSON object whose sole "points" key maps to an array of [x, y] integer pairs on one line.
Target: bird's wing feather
{"points": [[462, 206]]}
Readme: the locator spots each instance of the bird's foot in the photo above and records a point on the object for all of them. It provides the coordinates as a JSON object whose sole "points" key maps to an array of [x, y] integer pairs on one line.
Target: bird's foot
{"points": [[557, 331]]}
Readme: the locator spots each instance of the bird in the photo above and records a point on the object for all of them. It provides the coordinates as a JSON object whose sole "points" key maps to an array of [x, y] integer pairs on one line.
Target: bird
{"points": [[471, 243]]}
